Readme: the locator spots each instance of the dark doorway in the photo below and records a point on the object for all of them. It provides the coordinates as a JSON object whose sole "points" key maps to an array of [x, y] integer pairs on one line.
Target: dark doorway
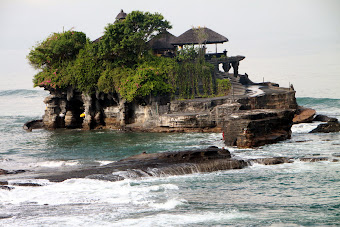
{"points": [[76, 106], [129, 113]]}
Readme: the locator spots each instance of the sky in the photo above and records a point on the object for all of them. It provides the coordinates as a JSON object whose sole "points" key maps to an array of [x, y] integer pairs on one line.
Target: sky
{"points": [[284, 41]]}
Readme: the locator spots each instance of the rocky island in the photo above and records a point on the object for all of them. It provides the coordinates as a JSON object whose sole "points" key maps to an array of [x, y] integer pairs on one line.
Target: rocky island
{"points": [[143, 78]]}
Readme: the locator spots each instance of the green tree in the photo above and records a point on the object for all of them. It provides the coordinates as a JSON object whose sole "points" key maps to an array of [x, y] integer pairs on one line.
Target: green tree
{"points": [[125, 41], [85, 70], [53, 57], [57, 49]]}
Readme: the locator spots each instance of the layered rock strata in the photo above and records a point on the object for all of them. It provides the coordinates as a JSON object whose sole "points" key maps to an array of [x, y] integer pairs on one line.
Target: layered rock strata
{"points": [[72, 109], [254, 128]]}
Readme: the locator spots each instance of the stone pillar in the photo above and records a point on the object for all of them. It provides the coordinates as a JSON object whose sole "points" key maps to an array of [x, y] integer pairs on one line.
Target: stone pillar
{"points": [[122, 111], [235, 67], [55, 107], [226, 66], [87, 99]]}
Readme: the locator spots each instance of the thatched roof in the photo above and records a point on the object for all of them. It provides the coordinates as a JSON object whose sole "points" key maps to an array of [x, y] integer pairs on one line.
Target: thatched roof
{"points": [[121, 15], [162, 41], [190, 37]]}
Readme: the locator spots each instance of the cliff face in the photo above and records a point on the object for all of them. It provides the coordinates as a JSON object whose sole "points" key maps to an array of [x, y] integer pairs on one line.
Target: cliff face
{"points": [[72, 109], [257, 127], [246, 120]]}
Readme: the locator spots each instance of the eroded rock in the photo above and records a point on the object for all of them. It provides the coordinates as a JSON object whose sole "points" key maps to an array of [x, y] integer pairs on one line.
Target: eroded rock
{"points": [[255, 128], [304, 115]]}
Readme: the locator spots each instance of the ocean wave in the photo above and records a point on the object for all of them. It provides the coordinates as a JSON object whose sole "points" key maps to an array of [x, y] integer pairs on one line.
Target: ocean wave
{"points": [[326, 106], [23, 92], [308, 101]]}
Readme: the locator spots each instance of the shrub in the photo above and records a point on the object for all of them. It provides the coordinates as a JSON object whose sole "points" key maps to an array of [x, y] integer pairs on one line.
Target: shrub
{"points": [[223, 87]]}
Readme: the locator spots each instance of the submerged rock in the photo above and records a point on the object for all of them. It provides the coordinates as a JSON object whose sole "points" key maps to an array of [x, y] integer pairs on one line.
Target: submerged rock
{"points": [[272, 161], [158, 165], [35, 124], [331, 126], [314, 159], [324, 118], [5, 187], [2, 171], [154, 164]]}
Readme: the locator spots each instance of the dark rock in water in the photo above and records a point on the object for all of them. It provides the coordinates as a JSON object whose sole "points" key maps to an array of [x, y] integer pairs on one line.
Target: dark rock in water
{"points": [[160, 165], [314, 159], [156, 164], [324, 118], [255, 128], [16, 171], [3, 216], [327, 127], [183, 156], [2, 171], [5, 187], [27, 184], [272, 161], [304, 115], [35, 124]]}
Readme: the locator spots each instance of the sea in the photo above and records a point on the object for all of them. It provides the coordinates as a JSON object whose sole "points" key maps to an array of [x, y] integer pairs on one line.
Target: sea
{"points": [[290, 194]]}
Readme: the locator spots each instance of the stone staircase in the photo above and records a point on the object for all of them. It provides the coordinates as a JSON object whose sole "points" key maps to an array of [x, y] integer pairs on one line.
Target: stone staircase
{"points": [[237, 87]]}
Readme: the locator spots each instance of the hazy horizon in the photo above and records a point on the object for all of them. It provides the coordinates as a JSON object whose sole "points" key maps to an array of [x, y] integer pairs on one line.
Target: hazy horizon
{"points": [[286, 42]]}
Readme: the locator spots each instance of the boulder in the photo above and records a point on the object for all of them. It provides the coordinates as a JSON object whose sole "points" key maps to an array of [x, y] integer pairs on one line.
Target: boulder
{"points": [[324, 118], [35, 124], [254, 128], [331, 126], [304, 115]]}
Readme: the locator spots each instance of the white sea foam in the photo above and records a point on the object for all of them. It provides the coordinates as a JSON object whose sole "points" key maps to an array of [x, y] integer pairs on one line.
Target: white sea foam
{"points": [[112, 219], [207, 218], [102, 163], [54, 164], [304, 127], [168, 205], [78, 191]]}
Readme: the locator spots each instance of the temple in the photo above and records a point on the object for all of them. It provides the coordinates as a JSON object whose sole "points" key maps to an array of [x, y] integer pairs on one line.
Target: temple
{"points": [[166, 44], [249, 114]]}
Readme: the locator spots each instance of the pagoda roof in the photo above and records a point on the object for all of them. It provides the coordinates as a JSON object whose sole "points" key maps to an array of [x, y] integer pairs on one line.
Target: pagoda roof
{"points": [[162, 41], [121, 15], [190, 37]]}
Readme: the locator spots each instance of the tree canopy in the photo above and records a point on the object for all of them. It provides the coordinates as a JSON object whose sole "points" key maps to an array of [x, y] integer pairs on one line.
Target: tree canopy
{"points": [[125, 41], [119, 62]]}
